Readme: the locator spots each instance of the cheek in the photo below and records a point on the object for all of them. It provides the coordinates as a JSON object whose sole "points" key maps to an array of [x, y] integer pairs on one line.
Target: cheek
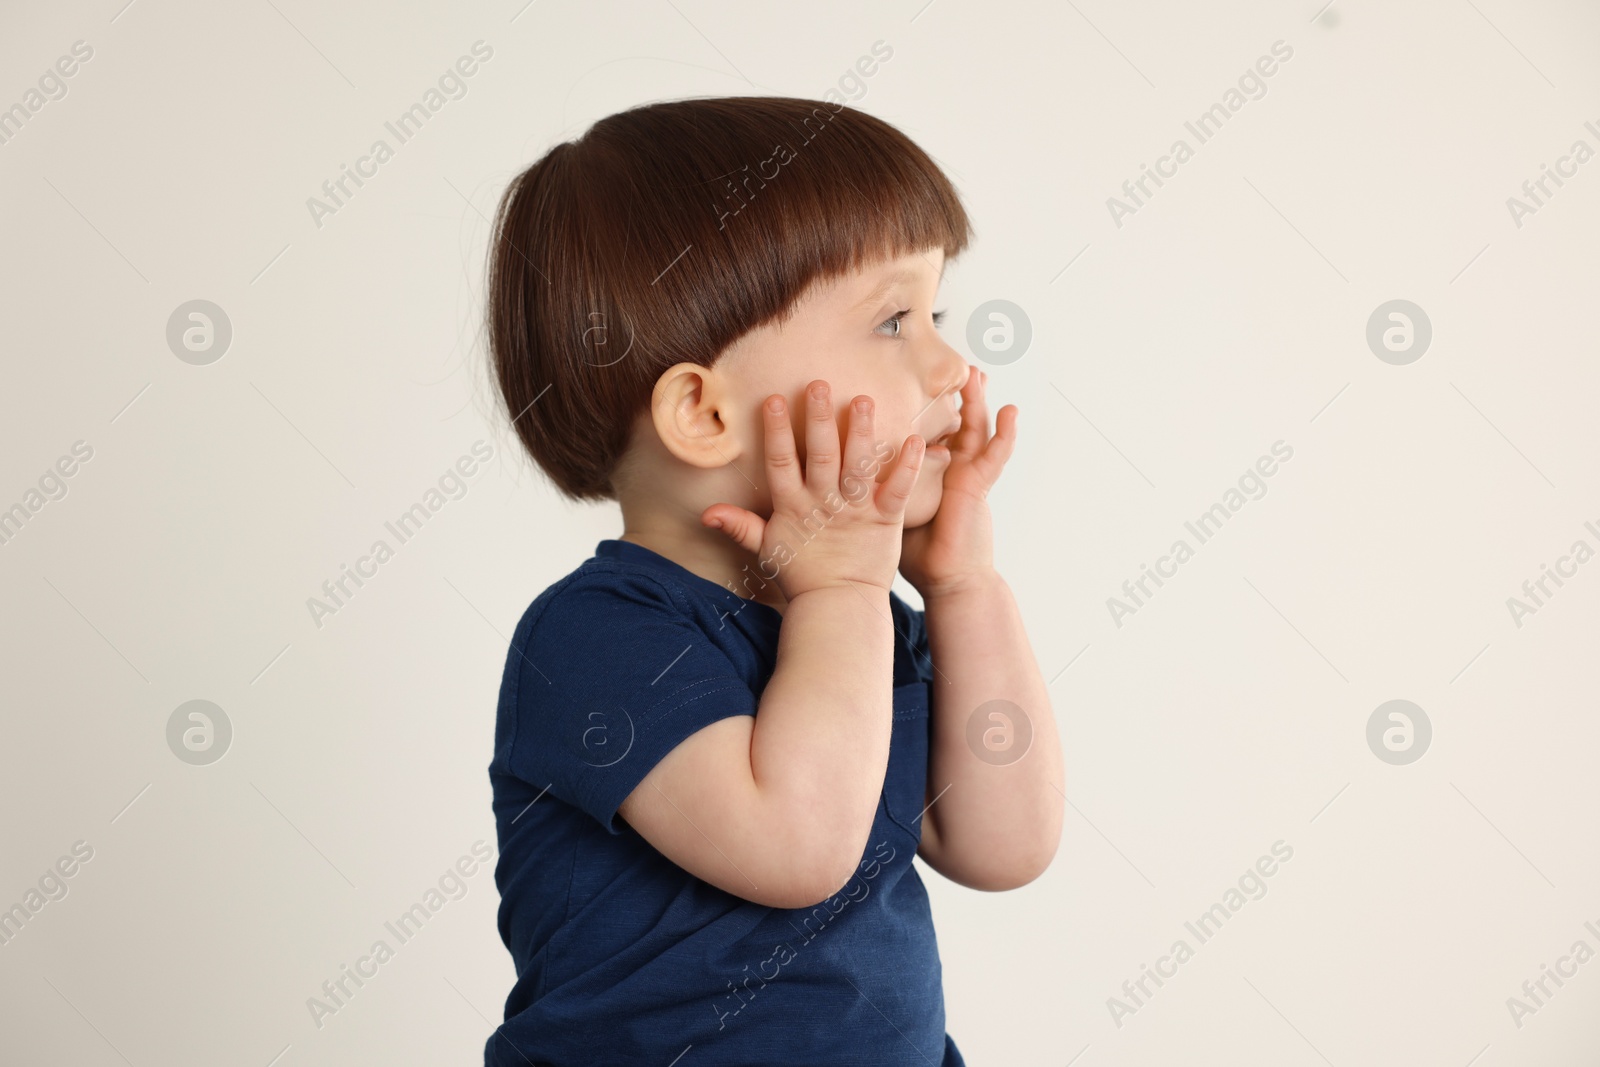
{"points": [[925, 501], [889, 450], [926, 496], [797, 405], [889, 432]]}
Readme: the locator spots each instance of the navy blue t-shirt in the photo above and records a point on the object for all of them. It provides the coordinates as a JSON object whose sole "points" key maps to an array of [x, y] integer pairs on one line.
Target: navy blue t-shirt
{"points": [[622, 956]]}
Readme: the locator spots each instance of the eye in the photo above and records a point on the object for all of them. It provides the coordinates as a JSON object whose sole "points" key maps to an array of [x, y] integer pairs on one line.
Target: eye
{"points": [[895, 321]]}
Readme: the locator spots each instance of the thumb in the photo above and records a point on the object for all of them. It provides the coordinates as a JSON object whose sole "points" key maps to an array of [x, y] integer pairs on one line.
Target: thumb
{"points": [[745, 527]]}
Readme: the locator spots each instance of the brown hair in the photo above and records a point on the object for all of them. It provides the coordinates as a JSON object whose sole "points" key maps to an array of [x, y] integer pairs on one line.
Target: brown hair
{"points": [[670, 230]]}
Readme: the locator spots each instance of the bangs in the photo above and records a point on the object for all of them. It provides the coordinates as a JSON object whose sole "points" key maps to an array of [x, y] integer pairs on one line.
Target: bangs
{"points": [[737, 204]]}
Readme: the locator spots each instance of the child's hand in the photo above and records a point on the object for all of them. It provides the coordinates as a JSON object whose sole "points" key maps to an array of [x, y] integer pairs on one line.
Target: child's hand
{"points": [[825, 531], [958, 543]]}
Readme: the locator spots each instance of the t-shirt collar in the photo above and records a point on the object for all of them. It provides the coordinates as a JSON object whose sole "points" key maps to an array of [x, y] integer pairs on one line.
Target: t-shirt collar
{"points": [[632, 552]]}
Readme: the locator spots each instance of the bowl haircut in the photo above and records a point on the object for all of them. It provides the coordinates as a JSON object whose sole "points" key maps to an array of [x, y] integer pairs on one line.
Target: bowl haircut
{"points": [[666, 233]]}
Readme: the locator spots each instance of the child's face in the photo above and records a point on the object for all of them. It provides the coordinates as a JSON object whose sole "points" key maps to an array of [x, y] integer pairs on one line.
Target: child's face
{"points": [[842, 333]]}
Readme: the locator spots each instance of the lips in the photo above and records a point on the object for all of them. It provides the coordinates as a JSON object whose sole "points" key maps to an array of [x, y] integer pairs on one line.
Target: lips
{"points": [[943, 439]]}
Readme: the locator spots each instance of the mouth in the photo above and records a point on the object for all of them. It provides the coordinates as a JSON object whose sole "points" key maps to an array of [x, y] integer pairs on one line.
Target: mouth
{"points": [[946, 436]]}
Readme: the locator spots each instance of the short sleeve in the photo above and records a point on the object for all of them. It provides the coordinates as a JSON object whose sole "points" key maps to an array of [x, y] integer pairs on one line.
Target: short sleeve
{"points": [[612, 674]]}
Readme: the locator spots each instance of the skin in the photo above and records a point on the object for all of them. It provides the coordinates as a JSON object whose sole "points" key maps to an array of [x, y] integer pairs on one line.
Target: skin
{"points": [[702, 443], [777, 808]]}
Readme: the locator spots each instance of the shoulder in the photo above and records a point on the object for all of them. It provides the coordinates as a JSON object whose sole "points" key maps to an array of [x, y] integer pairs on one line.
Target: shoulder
{"points": [[599, 596], [613, 630], [610, 667], [598, 614]]}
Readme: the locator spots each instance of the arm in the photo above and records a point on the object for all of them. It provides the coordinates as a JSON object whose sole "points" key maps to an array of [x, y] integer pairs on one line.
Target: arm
{"points": [[995, 825], [990, 825], [778, 809]]}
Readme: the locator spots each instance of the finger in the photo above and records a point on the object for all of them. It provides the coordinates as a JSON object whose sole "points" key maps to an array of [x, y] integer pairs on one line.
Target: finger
{"points": [[744, 527], [1000, 446], [783, 465], [822, 439], [896, 488], [969, 440], [858, 480]]}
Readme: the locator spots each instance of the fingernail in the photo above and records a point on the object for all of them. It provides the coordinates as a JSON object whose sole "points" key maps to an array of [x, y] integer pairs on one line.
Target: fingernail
{"points": [[715, 524]]}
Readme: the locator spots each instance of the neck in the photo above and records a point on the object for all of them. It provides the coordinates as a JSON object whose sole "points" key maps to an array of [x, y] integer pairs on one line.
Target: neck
{"points": [[709, 554]]}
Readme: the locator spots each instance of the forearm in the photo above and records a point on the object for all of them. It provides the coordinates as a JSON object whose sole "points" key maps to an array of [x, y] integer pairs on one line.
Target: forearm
{"points": [[1001, 815], [820, 746]]}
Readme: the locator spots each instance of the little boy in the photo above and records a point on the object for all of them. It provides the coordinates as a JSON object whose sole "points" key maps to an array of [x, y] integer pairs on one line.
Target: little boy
{"points": [[722, 738]]}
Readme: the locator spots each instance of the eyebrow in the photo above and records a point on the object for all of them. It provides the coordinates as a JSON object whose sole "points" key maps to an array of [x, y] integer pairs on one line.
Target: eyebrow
{"points": [[904, 276]]}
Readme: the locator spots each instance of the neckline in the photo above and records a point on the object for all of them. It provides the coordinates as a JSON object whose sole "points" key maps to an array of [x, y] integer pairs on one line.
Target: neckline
{"points": [[632, 552]]}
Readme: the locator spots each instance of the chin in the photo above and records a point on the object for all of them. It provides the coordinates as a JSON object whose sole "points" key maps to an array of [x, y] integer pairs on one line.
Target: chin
{"points": [[921, 509]]}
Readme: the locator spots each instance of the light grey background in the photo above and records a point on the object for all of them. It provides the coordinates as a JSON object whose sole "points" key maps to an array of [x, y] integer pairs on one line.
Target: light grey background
{"points": [[1168, 354]]}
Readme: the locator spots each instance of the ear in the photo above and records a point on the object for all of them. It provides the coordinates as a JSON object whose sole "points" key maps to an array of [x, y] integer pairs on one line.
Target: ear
{"points": [[691, 416]]}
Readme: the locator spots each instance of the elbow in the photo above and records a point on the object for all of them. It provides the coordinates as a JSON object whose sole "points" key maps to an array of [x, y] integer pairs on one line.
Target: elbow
{"points": [[1031, 863], [1032, 866], [1030, 871], [820, 863], [805, 878], [827, 882], [825, 876], [801, 894], [793, 893], [1012, 872]]}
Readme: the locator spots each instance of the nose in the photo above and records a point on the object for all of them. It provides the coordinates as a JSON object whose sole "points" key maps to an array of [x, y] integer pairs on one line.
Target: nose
{"points": [[948, 371]]}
